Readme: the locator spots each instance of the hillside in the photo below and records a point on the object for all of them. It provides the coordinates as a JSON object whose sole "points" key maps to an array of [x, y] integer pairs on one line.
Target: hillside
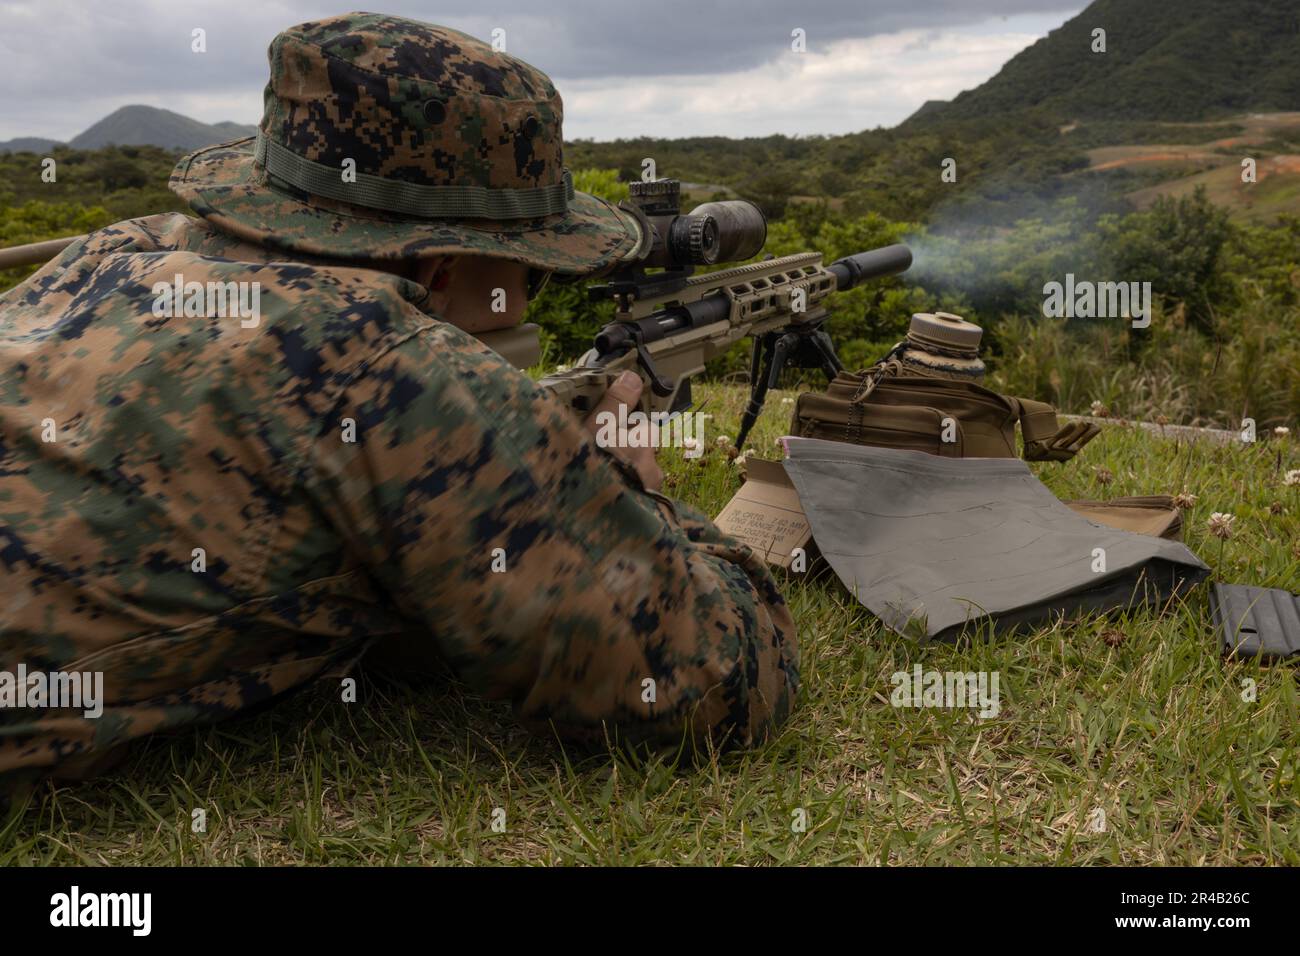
{"points": [[150, 126], [28, 144], [1164, 59], [1199, 157]]}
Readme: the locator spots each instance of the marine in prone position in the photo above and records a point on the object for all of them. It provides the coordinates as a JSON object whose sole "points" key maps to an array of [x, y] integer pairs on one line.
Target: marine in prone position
{"points": [[210, 511]]}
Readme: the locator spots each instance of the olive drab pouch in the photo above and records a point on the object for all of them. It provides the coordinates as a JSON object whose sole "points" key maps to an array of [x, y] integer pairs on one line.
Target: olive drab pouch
{"points": [[892, 406], [925, 395]]}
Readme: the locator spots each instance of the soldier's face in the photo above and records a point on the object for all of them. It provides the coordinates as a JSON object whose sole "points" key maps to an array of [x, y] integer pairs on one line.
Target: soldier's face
{"points": [[481, 294]]}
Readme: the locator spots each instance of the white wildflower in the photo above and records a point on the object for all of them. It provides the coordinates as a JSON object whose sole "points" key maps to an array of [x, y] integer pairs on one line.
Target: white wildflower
{"points": [[1220, 524]]}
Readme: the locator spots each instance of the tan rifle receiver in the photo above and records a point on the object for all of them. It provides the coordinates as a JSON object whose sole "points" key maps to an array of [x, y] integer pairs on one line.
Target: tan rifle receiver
{"points": [[668, 336]]}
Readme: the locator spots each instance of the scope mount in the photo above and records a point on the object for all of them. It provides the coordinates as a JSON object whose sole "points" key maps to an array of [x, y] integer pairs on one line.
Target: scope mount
{"points": [[626, 284]]}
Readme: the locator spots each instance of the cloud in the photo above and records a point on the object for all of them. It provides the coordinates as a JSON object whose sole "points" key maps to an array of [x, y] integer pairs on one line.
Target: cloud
{"points": [[677, 67], [850, 85]]}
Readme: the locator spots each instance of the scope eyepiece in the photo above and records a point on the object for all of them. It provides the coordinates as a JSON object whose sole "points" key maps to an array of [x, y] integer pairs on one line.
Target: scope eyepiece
{"points": [[693, 240]]}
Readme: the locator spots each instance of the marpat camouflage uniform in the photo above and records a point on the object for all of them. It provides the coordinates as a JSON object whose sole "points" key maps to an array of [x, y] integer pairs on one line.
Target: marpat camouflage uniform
{"points": [[175, 433]]}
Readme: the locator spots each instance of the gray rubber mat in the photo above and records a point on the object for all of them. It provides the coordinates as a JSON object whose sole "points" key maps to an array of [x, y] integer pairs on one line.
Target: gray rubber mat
{"points": [[931, 545]]}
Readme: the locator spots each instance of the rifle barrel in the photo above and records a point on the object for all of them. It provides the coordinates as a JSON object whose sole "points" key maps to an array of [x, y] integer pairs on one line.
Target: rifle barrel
{"points": [[34, 252]]}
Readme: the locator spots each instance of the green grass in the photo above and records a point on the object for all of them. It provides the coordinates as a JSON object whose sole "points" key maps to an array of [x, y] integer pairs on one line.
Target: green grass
{"points": [[1154, 732]]}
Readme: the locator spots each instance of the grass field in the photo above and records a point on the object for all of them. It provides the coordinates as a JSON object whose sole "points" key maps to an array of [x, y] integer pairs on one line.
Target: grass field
{"points": [[1149, 728]]}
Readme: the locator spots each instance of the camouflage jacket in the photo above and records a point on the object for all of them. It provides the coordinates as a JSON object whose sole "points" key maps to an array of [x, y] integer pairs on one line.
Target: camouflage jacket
{"points": [[210, 514]]}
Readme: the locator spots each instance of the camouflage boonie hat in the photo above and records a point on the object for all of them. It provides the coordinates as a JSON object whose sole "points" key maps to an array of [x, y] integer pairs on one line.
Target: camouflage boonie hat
{"points": [[455, 148]]}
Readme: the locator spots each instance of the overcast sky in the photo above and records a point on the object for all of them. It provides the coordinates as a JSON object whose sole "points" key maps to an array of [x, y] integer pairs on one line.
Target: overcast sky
{"points": [[624, 67]]}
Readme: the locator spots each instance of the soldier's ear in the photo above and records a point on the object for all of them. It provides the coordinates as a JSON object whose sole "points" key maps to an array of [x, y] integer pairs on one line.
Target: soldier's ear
{"points": [[434, 273]]}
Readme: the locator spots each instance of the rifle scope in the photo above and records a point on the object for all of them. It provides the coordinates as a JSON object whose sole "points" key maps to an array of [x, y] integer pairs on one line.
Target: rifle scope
{"points": [[725, 231]]}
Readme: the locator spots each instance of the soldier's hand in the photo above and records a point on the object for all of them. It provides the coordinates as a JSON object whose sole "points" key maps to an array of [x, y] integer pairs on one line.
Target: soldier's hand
{"points": [[625, 391]]}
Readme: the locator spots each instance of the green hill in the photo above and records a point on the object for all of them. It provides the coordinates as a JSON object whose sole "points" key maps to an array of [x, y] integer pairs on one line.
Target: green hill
{"points": [[1164, 59]]}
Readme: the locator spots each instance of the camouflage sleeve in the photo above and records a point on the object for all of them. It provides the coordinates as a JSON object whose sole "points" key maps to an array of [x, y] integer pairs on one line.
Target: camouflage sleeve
{"points": [[537, 565]]}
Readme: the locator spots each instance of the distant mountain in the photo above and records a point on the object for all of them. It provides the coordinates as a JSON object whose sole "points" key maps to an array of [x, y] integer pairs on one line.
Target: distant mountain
{"points": [[234, 130], [1174, 60], [139, 126], [27, 144], [150, 126]]}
